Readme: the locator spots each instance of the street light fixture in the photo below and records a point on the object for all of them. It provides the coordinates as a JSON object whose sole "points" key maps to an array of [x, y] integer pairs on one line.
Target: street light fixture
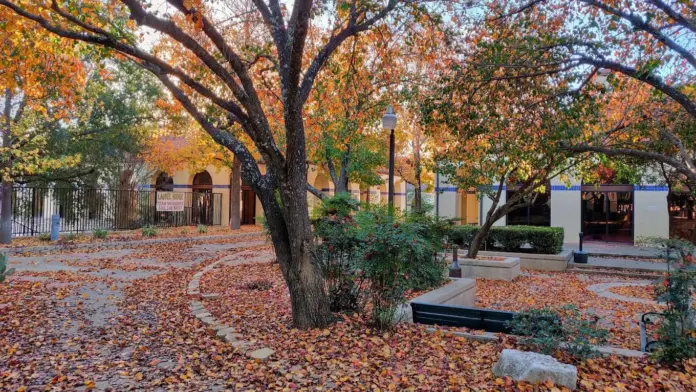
{"points": [[389, 122]]}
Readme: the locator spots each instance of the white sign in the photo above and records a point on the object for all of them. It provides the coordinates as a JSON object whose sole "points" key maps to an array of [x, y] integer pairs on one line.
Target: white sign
{"points": [[170, 201]]}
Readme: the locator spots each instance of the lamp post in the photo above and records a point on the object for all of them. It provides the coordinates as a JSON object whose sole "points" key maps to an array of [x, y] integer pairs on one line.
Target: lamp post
{"points": [[389, 122]]}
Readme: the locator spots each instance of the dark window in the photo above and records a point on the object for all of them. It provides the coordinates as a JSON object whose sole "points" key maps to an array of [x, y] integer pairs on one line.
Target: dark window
{"points": [[538, 214]]}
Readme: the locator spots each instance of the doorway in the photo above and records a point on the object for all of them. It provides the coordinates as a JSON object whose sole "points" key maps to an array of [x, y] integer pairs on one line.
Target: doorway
{"points": [[607, 213], [248, 205], [201, 199]]}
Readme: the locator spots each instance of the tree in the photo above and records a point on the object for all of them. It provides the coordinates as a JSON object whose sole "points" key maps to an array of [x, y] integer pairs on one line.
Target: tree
{"points": [[496, 131], [215, 77], [40, 79], [415, 157], [634, 48]]}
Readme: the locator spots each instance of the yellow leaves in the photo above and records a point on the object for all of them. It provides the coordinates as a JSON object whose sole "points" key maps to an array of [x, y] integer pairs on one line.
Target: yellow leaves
{"points": [[138, 376], [89, 384]]}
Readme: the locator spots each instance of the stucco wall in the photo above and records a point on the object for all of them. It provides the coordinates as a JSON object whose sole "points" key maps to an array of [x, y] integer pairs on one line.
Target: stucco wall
{"points": [[566, 210], [651, 217]]}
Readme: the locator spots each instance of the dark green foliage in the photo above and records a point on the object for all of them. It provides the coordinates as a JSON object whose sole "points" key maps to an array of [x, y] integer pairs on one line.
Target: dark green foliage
{"points": [[545, 240], [202, 229], [369, 254], [44, 237], [336, 250], [547, 331], [396, 258], [677, 331], [149, 231], [100, 233]]}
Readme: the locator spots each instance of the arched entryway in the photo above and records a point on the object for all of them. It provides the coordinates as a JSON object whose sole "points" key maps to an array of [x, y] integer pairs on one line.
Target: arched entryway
{"points": [[248, 205], [202, 199]]}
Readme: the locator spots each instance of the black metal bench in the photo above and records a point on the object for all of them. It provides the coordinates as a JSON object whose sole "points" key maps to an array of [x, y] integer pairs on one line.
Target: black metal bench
{"points": [[647, 345], [459, 316]]}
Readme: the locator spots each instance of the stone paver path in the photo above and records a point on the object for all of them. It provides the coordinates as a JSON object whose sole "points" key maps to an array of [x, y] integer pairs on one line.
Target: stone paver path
{"points": [[602, 289]]}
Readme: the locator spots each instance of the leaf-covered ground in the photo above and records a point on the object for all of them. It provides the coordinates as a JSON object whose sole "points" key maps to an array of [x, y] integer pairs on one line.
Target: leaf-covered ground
{"points": [[555, 289], [119, 319], [129, 235]]}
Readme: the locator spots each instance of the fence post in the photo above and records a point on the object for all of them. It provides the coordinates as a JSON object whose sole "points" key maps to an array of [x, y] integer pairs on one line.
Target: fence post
{"points": [[55, 227]]}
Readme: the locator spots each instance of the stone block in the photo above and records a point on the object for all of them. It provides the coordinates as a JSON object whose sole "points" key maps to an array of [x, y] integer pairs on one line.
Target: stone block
{"points": [[210, 296], [536, 261], [261, 354], [503, 268], [535, 367], [222, 332], [459, 292]]}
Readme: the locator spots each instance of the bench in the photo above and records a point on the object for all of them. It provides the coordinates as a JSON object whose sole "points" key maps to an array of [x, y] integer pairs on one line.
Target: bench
{"points": [[647, 345], [459, 316]]}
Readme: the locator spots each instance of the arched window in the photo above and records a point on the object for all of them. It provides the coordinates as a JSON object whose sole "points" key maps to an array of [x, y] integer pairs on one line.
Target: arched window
{"points": [[202, 182], [164, 182]]}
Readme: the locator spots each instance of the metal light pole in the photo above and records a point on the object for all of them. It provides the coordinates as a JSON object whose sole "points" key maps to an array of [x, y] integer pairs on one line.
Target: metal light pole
{"points": [[389, 122]]}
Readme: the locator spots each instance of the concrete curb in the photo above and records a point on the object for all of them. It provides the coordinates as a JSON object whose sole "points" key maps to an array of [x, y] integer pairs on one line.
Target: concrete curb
{"points": [[117, 244], [225, 332]]}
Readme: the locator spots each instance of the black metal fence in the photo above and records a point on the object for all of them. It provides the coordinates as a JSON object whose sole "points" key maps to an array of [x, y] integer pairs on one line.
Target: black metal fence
{"points": [[83, 209]]}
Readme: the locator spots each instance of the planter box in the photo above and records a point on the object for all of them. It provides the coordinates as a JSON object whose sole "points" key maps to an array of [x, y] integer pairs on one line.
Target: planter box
{"points": [[535, 261], [491, 267], [459, 292]]}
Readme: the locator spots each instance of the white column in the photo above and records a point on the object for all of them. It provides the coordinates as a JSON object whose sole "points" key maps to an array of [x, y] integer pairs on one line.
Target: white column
{"points": [[650, 212], [566, 209]]}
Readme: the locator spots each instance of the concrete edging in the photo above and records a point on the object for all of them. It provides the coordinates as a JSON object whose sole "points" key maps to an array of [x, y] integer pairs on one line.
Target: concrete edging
{"points": [[508, 268], [223, 331], [459, 292], [116, 244], [535, 261]]}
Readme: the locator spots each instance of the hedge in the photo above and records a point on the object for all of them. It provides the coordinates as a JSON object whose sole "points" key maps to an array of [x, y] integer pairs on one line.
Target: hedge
{"points": [[546, 240]]}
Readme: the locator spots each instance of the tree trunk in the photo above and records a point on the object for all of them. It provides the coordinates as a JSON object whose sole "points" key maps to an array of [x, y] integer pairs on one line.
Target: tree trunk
{"points": [[6, 207], [418, 197], [235, 195], [292, 239], [6, 213]]}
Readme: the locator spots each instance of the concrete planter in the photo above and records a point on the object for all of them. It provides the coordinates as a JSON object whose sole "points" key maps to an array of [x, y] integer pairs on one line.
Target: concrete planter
{"points": [[459, 292], [535, 261], [491, 267]]}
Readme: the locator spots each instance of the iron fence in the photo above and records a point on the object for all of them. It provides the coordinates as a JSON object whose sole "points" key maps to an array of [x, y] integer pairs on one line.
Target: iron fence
{"points": [[85, 209]]}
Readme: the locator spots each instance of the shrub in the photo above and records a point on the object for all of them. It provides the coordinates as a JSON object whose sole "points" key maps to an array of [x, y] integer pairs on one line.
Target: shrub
{"points": [[4, 272], [44, 237], [546, 240], [546, 331], [677, 331], [149, 231], [72, 236], [202, 229], [336, 250], [396, 257], [100, 233], [259, 285]]}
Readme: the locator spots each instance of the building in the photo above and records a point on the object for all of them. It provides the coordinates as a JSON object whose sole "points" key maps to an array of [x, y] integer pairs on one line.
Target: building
{"points": [[210, 193], [608, 213]]}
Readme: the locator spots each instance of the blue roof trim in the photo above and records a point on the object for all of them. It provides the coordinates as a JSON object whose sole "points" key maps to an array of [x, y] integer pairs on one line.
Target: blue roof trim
{"points": [[565, 188], [650, 188], [446, 189]]}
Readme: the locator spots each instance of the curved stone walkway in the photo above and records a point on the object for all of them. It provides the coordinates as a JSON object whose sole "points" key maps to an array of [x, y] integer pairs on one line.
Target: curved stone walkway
{"points": [[602, 289], [224, 331]]}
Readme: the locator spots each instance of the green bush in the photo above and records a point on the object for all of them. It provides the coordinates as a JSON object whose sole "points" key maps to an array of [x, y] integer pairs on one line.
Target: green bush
{"points": [[4, 272], [547, 331], [149, 231], [677, 330], [202, 229], [545, 240], [396, 258], [44, 237], [72, 236], [336, 250], [100, 233]]}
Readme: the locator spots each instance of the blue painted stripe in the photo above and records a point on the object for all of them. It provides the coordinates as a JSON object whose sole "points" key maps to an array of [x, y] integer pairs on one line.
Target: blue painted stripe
{"points": [[650, 188], [446, 189], [565, 188]]}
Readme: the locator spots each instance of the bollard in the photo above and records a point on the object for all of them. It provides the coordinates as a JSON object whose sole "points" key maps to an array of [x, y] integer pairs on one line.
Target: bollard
{"points": [[55, 227], [455, 269], [580, 256]]}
